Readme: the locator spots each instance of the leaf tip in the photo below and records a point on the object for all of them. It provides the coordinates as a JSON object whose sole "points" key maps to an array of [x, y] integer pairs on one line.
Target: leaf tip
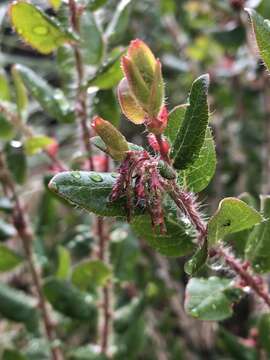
{"points": [[205, 79]]}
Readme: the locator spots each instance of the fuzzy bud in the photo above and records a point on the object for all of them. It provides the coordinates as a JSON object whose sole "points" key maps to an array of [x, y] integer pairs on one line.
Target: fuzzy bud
{"points": [[143, 75], [128, 103], [117, 146]]}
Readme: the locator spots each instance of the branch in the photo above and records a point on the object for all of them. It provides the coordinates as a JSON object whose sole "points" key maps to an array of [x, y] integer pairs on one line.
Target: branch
{"points": [[81, 109], [81, 101], [26, 235], [186, 203]]}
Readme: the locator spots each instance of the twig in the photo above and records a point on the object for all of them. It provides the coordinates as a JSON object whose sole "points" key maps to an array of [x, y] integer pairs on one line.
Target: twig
{"points": [[81, 108], [255, 283], [196, 335], [163, 152], [81, 101], [105, 327], [26, 235], [187, 204]]}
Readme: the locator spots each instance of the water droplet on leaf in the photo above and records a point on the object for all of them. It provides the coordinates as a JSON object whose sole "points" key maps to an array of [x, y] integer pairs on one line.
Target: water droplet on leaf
{"points": [[76, 174], [96, 177], [40, 30], [53, 186]]}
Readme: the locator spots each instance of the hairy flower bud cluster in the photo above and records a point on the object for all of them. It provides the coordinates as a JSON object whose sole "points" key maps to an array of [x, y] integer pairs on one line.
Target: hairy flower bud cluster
{"points": [[141, 183]]}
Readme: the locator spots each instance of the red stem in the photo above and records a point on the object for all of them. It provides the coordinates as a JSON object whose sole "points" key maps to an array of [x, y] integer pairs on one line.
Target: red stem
{"points": [[187, 205], [106, 290], [26, 235], [163, 152], [81, 108], [256, 283], [81, 102]]}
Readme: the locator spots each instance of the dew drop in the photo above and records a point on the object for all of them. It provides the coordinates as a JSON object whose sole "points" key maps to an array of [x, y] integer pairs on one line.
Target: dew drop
{"points": [[16, 144], [40, 30], [96, 178], [53, 186], [195, 313], [76, 174]]}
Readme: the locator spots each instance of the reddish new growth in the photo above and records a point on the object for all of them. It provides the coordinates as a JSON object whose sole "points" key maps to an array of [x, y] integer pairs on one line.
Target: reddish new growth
{"points": [[158, 123], [142, 184]]}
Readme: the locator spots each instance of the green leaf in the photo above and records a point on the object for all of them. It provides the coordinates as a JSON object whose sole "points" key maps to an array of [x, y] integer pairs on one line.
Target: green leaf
{"points": [[6, 205], [6, 128], [261, 28], [198, 260], [8, 259], [264, 332], [258, 245], [108, 75], [92, 44], [38, 348], [198, 175], [5, 94], [51, 100], [90, 274], [127, 314], [231, 216], [210, 299], [20, 92], [239, 240], [64, 263], [130, 329], [175, 242], [125, 253], [234, 348], [87, 352], [65, 59], [176, 118], [16, 161], [55, 4], [119, 24], [106, 106], [37, 29], [191, 134], [17, 306], [94, 5], [68, 300], [6, 230], [89, 191], [10, 354], [37, 143]]}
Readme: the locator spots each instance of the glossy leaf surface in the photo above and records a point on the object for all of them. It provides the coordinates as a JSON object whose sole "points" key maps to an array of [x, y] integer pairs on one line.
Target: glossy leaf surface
{"points": [[36, 28], [8, 259], [231, 216], [210, 299], [51, 100], [191, 135]]}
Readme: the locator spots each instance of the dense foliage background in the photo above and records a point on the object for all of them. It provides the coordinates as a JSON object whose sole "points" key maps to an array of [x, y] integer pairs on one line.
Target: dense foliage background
{"points": [[190, 37]]}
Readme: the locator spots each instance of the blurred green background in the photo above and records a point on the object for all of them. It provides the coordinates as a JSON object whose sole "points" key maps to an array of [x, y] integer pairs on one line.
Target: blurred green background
{"points": [[190, 37]]}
